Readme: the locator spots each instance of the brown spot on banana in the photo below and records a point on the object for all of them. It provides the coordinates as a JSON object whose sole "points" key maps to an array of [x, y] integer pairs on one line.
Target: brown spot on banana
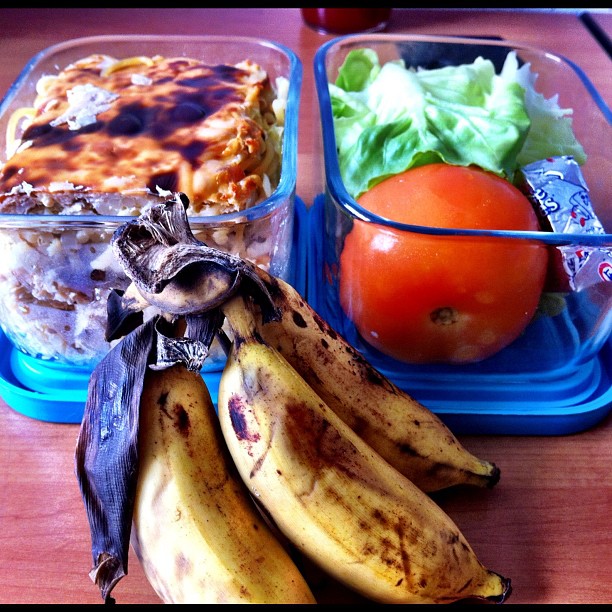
{"points": [[298, 319], [181, 419], [162, 399], [236, 409]]}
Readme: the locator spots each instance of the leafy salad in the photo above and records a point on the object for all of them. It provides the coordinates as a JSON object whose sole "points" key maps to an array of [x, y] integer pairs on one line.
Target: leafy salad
{"points": [[389, 118]]}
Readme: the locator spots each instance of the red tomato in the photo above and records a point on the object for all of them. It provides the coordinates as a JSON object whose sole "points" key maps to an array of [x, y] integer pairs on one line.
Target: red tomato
{"points": [[426, 299]]}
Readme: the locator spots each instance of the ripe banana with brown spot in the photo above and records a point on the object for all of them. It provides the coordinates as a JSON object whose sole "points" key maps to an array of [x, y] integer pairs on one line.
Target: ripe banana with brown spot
{"points": [[406, 433], [336, 499], [196, 531]]}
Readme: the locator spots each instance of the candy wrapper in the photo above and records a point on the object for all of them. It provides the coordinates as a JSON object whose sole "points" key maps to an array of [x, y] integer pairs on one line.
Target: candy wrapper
{"points": [[560, 195]]}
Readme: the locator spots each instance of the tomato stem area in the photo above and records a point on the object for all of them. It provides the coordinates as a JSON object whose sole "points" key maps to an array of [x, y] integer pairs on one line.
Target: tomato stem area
{"points": [[446, 315]]}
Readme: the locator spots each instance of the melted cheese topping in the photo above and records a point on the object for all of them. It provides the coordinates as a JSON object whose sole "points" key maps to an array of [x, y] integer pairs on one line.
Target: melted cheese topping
{"points": [[151, 126]]}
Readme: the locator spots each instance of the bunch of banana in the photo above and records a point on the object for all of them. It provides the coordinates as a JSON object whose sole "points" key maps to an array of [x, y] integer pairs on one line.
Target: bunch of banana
{"points": [[196, 531], [407, 434], [305, 425], [329, 492]]}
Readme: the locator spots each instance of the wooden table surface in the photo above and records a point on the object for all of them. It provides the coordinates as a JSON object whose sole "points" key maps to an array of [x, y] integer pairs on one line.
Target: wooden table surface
{"points": [[547, 523]]}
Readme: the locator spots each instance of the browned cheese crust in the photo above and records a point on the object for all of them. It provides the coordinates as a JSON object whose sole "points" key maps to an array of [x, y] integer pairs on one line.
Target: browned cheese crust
{"points": [[105, 128]]}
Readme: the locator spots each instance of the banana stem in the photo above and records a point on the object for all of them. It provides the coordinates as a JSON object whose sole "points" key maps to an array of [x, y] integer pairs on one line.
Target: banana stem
{"points": [[239, 314]]}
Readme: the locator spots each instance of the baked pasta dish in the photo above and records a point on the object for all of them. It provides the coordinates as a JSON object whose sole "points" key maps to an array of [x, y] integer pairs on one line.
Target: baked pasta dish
{"points": [[110, 137]]}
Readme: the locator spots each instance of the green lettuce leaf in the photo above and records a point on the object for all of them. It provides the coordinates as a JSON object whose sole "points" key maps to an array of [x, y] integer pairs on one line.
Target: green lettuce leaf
{"points": [[389, 118], [550, 133]]}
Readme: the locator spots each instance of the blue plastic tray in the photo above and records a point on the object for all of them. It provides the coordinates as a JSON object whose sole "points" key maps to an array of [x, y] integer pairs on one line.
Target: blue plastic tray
{"points": [[560, 405]]}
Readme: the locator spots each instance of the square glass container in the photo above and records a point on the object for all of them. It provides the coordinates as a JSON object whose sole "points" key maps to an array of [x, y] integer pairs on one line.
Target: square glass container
{"points": [[46, 256], [570, 327]]}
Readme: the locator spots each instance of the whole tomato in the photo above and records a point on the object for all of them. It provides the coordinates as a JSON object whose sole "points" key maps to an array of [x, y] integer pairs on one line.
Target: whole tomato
{"points": [[425, 299]]}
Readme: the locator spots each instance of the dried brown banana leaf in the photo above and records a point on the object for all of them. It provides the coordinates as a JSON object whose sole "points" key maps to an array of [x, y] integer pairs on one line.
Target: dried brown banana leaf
{"points": [[106, 456], [123, 314], [193, 349], [186, 281]]}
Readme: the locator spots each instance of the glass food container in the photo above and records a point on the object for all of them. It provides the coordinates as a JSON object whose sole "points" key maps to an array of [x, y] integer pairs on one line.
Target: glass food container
{"points": [[58, 269], [555, 361]]}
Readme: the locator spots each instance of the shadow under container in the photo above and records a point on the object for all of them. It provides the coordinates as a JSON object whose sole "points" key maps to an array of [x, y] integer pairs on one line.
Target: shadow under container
{"points": [[547, 379], [45, 256]]}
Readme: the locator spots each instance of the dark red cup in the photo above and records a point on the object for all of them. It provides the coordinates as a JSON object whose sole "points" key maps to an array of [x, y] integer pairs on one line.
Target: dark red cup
{"points": [[346, 21]]}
